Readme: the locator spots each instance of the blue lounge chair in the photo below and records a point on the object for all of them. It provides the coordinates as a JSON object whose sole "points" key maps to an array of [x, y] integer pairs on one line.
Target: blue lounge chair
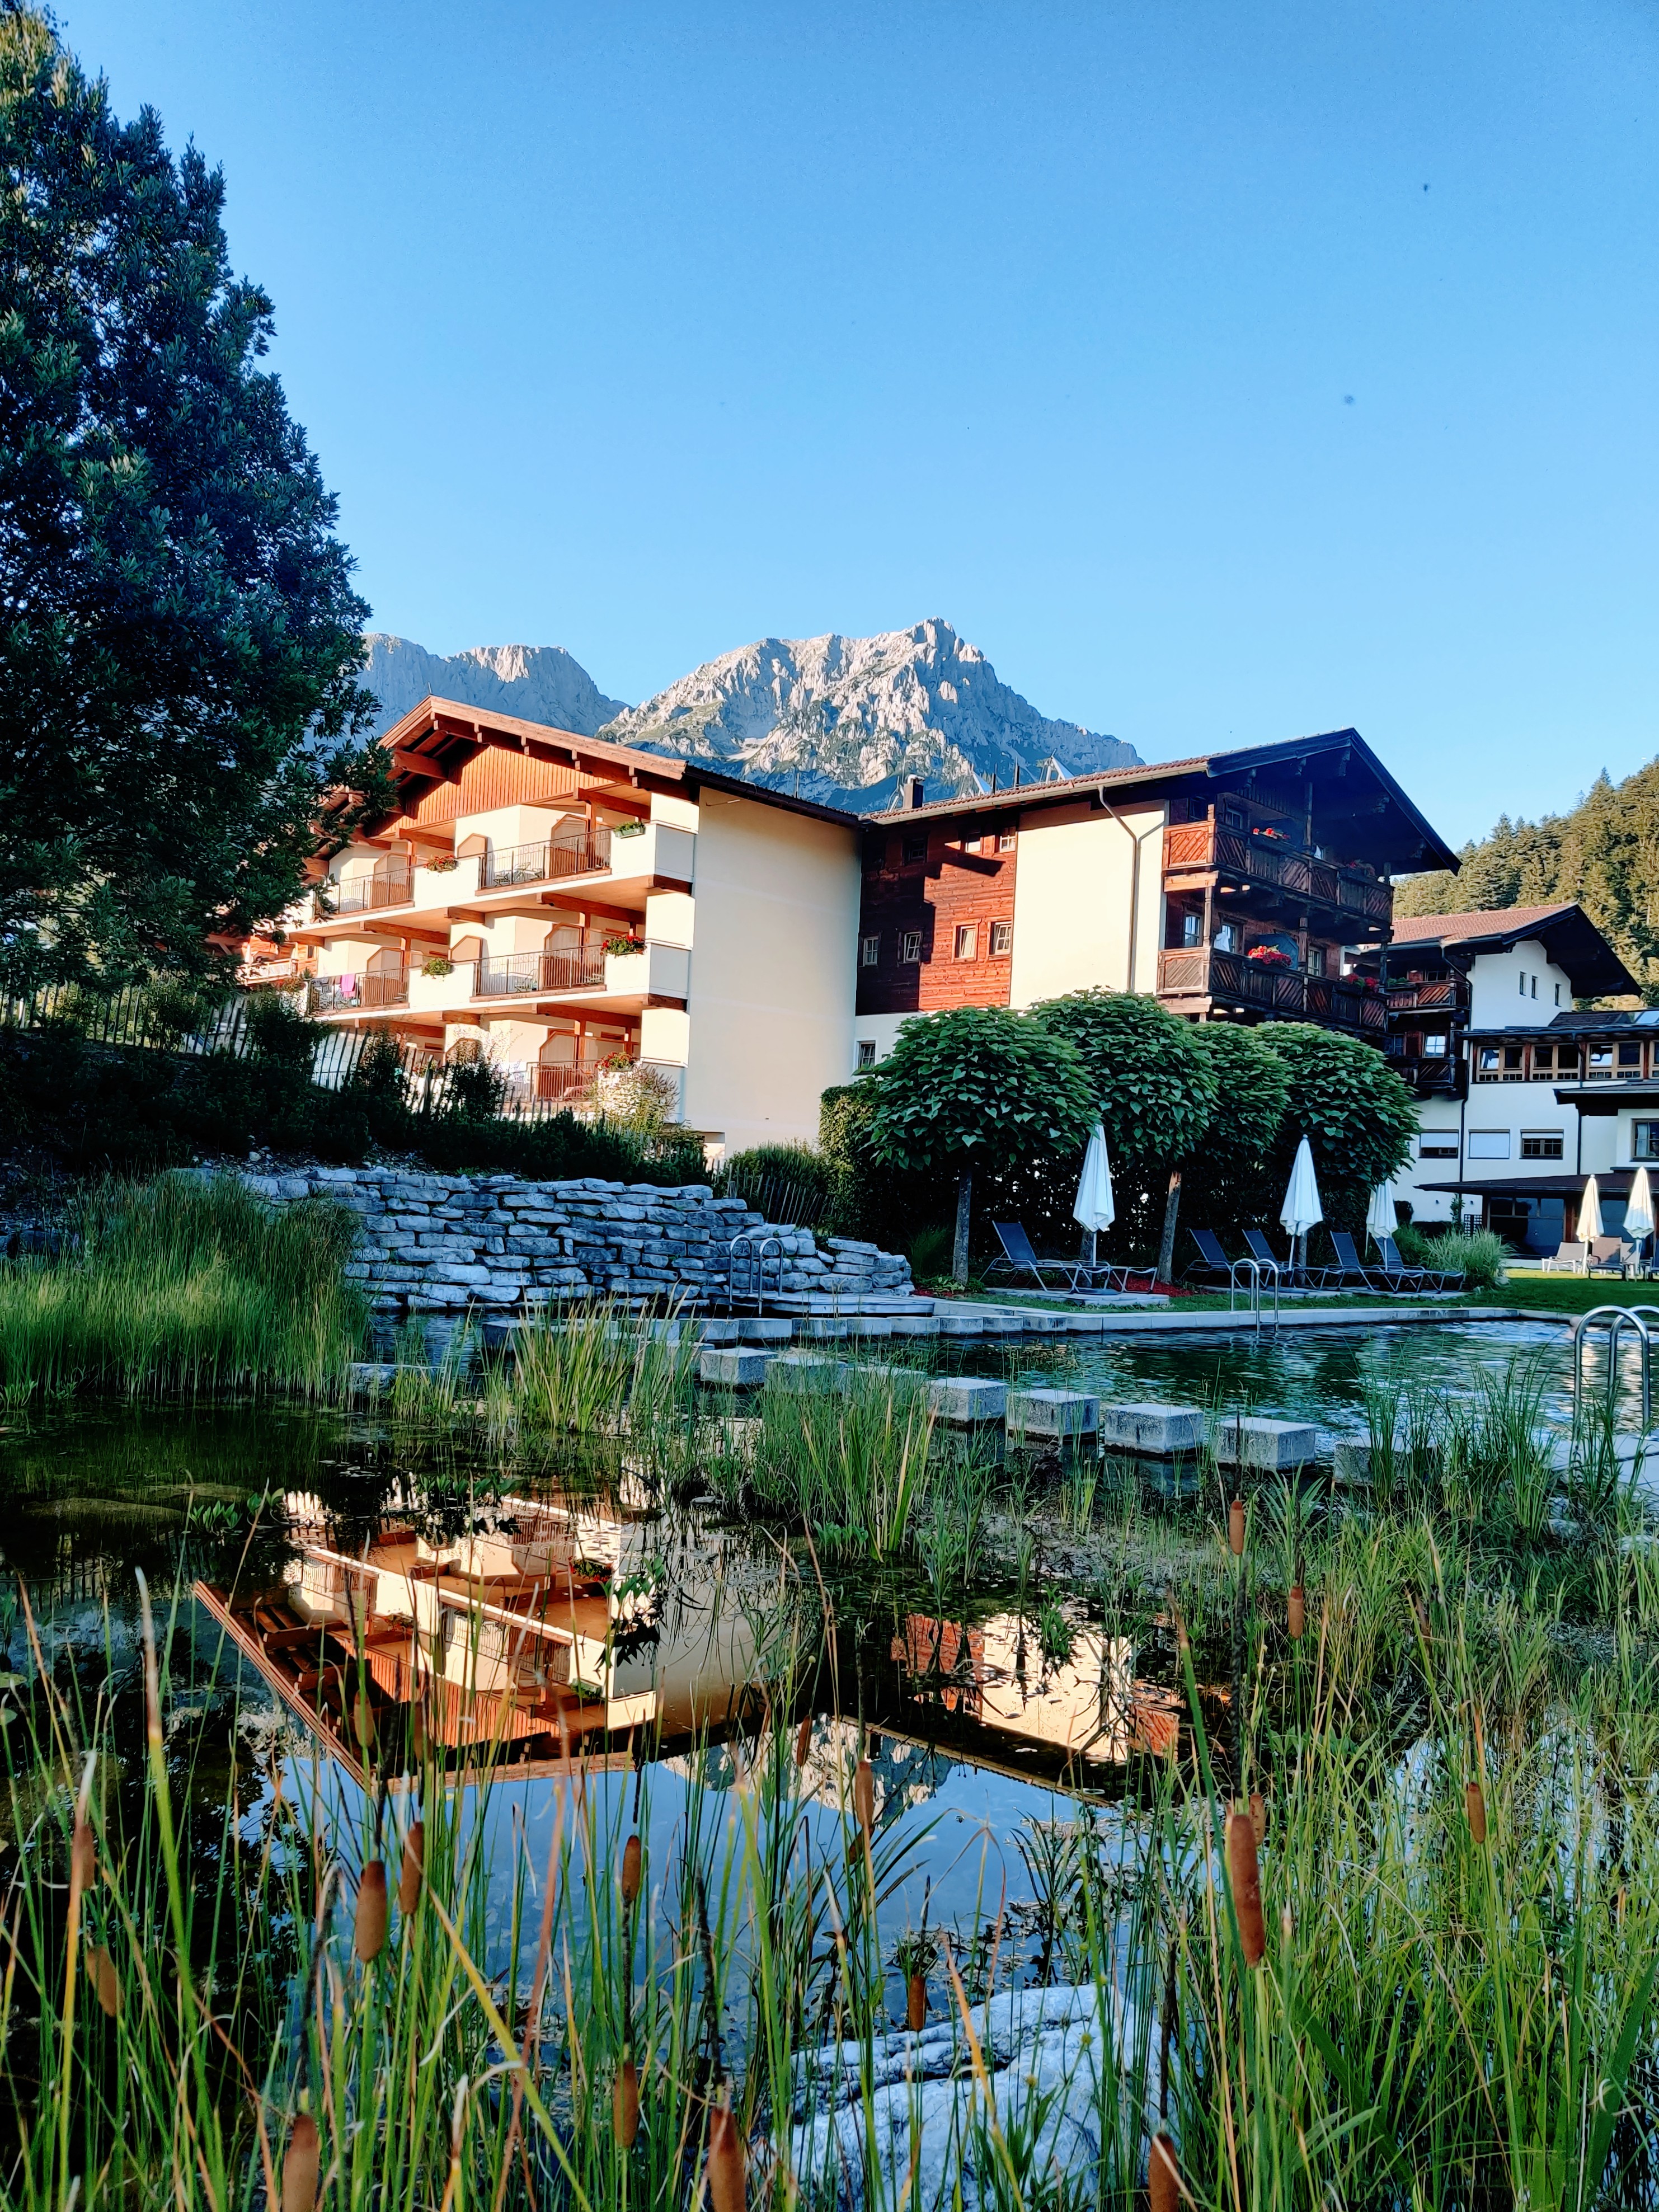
{"points": [[1019, 1259], [1349, 1272]]}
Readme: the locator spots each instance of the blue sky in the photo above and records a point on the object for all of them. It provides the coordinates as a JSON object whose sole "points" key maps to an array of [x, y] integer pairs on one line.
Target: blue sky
{"points": [[1224, 372]]}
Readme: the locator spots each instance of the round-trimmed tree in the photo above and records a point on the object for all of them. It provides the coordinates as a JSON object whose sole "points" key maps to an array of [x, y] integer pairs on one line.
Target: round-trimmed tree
{"points": [[977, 1085], [1154, 1089], [1228, 1182], [1355, 1112]]}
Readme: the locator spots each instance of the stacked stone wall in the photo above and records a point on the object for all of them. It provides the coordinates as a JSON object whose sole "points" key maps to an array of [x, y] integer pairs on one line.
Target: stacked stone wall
{"points": [[434, 1243]]}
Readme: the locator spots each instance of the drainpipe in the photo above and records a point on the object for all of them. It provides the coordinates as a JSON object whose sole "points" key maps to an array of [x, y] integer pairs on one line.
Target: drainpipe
{"points": [[1172, 1198]]}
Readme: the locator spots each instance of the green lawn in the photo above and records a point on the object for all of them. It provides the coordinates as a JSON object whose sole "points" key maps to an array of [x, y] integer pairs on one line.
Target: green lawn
{"points": [[1532, 1293]]}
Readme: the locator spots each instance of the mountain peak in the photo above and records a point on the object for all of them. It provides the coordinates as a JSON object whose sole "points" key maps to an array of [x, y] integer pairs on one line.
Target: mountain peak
{"points": [[846, 720]]}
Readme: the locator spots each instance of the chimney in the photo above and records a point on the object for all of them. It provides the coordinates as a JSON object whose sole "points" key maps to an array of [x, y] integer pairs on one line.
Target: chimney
{"points": [[918, 793]]}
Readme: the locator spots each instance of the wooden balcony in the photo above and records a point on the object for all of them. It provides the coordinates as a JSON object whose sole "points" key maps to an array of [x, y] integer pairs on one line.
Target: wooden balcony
{"points": [[1198, 849], [1449, 996], [1228, 979]]}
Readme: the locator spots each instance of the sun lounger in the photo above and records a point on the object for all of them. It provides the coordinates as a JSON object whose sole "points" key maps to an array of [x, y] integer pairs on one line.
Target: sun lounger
{"points": [[1567, 1259], [1019, 1259], [1397, 1276], [1350, 1272], [1264, 1254]]}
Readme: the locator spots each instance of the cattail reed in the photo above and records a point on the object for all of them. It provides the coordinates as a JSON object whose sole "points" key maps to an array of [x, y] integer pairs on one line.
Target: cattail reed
{"points": [[625, 2104], [915, 2003], [864, 1795], [369, 1937], [1258, 1818], [1164, 2175], [84, 1855], [727, 2166], [1474, 1805], [1244, 1874], [1236, 1527], [300, 2166], [412, 1871], [105, 1981], [804, 1741], [632, 1873], [1296, 1613]]}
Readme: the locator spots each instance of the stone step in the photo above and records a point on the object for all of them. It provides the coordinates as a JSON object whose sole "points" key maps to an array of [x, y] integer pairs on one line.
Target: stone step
{"points": [[1054, 1416], [1249, 1441], [1159, 1429], [742, 1369]]}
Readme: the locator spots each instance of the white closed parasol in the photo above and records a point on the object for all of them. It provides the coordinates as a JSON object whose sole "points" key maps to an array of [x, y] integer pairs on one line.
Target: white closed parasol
{"points": [[1590, 1213], [1380, 1219], [1302, 1210], [1094, 1207]]}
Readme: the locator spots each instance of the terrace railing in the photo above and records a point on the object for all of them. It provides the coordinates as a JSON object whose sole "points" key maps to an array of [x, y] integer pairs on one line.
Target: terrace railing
{"points": [[1201, 971], [584, 855], [358, 993], [362, 894], [517, 975], [1199, 847]]}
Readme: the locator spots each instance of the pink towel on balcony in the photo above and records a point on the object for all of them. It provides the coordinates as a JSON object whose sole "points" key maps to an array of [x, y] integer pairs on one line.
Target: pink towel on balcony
{"points": [[348, 986]]}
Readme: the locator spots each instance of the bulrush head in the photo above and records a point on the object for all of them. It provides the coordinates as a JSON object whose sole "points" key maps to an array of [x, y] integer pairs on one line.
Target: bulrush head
{"points": [[632, 1872], [1474, 1804], [804, 1741], [1236, 1527], [84, 1855], [1295, 1613], [864, 1795], [300, 2166], [728, 2178], [1258, 1818], [1244, 1876], [105, 1981], [915, 2003], [369, 1937], [1164, 2176], [625, 2104], [412, 1872]]}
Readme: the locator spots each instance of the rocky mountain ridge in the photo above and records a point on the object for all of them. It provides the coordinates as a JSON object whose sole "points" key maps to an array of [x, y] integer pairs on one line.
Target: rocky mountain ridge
{"points": [[845, 721]]}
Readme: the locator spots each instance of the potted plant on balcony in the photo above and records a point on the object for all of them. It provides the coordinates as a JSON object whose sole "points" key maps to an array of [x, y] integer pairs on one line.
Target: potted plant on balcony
{"points": [[435, 964], [445, 863], [629, 829], [618, 948], [1271, 955]]}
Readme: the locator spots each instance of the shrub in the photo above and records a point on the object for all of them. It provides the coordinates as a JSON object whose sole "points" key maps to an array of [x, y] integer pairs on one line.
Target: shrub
{"points": [[787, 1182], [1227, 1184]]}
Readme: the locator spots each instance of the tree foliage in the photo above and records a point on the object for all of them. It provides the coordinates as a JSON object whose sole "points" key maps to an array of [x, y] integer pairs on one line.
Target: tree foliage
{"points": [[1604, 853], [1153, 1084], [1355, 1112], [979, 1084], [1228, 1181], [178, 635]]}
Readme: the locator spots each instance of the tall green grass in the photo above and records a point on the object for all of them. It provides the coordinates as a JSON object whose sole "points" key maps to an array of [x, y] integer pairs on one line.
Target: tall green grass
{"points": [[182, 1287]]}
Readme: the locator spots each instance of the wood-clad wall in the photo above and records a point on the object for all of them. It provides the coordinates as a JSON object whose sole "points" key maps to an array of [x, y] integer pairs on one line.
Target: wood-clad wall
{"points": [[935, 895], [493, 776]]}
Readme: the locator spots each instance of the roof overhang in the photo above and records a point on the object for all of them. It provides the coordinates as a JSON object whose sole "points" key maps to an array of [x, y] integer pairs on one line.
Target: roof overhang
{"points": [[1598, 1101], [1569, 938], [1612, 1182]]}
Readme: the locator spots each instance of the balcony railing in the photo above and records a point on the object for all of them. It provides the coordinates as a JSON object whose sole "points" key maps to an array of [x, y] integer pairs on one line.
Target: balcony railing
{"points": [[359, 993], [1200, 847], [515, 974], [1203, 972], [362, 894], [1422, 998], [545, 863]]}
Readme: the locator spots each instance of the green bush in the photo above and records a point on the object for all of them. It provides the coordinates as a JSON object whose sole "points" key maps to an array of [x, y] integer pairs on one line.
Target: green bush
{"points": [[1227, 1184], [787, 1182], [1355, 1112], [1480, 1253]]}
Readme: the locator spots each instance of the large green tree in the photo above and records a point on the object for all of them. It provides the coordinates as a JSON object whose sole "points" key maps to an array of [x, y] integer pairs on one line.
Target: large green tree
{"points": [[179, 634], [1154, 1090], [977, 1085], [1357, 1114], [1228, 1182]]}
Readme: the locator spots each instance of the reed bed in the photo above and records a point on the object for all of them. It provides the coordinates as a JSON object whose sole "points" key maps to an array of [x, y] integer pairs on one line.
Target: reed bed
{"points": [[182, 1287]]}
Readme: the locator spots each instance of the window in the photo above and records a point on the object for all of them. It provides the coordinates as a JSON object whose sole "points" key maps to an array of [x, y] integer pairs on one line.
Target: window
{"points": [[1630, 1057], [866, 1052], [1557, 995], [1489, 1062], [1566, 1059], [1534, 987], [1006, 840], [1600, 1063], [910, 945], [1316, 959], [1434, 1045], [1437, 1145], [1522, 980], [1489, 1144], [1191, 926], [869, 951], [967, 940], [1644, 1140], [916, 849], [971, 844], [1226, 937], [1002, 939], [1513, 1055], [1541, 1144], [1543, 1058]]}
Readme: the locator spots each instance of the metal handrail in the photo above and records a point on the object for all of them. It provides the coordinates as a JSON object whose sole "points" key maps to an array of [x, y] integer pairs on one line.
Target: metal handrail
{"points": [[757, 1252], [509, 975], [363, 894], [1255, 1269], [540, 863], [1617, 1319]]}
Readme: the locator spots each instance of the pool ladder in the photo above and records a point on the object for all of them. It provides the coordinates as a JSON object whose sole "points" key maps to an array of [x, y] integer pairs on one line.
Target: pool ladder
{"points": [[1615, 1320], [753, 1254], [1253, 1271]]}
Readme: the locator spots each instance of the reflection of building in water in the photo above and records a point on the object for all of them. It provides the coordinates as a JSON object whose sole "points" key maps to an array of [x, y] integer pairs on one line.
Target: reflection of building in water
{"points": [[994, 1672]]}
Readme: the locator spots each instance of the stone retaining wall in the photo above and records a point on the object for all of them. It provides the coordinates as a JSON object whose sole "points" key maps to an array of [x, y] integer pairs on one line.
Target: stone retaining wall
{"points": [[434, 1243]]}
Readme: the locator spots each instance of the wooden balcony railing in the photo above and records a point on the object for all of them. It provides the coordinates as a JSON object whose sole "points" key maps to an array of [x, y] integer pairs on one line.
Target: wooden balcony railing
{"points": [[362, 894], [1422, 998], [546, 862], [1200, 972], [1197, 847], [359, 993], [513, 975]]}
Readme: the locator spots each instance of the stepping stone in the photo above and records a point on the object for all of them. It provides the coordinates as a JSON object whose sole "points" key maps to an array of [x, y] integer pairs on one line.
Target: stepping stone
{"points": [[806, 1370], [966, 1398], [717, 1332], [953, 1324], [764, 1331], [914, 1325], [1060, 1416], [1152, 1428], [738, 1370], [823, 1332], [1351, 1459], [1273, 1445], [869, 1325]]}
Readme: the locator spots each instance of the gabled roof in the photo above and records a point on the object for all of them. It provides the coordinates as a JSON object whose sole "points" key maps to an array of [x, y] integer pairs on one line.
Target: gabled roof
{"points": [[1393, 828], [424, 743], [1569, 938]]}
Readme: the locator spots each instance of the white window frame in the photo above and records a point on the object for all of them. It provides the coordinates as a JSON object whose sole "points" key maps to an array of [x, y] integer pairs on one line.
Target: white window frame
{"points": [[910, 948], [870, 950], [1492, 1144]]}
